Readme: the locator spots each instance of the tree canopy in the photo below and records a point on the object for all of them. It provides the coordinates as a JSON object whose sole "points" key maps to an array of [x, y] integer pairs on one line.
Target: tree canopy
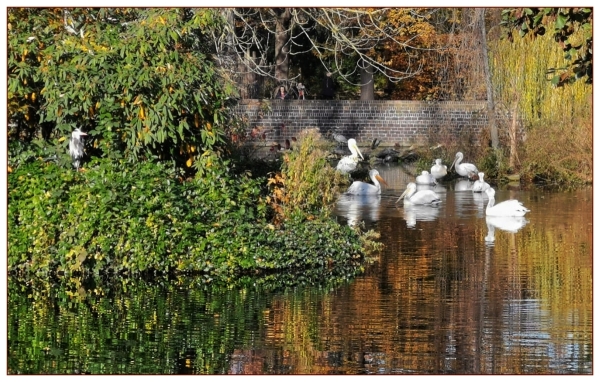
{"points": [[572, 29], [140, 81]]}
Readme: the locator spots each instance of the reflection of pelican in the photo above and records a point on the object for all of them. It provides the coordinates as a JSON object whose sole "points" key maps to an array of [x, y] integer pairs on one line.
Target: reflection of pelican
{"points": [[480, 185], [464, 169], [479, 199], [359, 208], [506, 223], [425, 178], [412, 196], [463, 185], [414, 213], [438, 170], [362, 188], [490, 237], [510, 207], [348, 163]]}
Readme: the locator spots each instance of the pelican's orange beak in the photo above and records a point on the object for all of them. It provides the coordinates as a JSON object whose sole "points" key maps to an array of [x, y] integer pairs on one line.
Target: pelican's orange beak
{"points": [[381, 179]]}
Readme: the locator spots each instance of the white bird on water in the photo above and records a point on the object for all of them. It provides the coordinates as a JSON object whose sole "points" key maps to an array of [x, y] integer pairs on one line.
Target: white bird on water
{"points": [[439, 170], [348, 163], [510, 207], [480, 185], [76, 147], [412, 196], [426, 178], [362, 188], [464, 169]]}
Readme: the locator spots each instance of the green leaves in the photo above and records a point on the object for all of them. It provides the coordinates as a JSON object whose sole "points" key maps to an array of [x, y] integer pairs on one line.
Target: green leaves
{"points": [[130, 219], [131, 78], [572, 29]]}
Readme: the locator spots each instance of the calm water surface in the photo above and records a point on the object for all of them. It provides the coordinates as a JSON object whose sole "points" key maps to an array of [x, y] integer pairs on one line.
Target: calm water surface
{"points": [[451, 293]]}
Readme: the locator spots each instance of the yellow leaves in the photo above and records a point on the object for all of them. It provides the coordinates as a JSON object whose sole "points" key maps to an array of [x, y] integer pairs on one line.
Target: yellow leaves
{"points": [[33, 96], [62, 139], [10, 169], [141, 113], [196, 120], [189, 162], [208, 126]]}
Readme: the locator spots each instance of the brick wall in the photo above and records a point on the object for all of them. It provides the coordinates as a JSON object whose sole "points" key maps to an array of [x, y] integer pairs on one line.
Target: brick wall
{"points": [[393, 122]]}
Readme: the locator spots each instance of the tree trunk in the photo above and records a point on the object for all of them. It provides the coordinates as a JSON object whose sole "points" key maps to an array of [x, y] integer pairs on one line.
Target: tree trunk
{"points": [[282, 37], [491, 109], [367, 86]]}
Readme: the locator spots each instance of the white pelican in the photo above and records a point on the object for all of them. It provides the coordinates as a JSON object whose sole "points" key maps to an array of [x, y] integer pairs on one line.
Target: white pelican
{"points": [[76, 147], [510, 207], [348, 163], [412, 196], [362, 188], [480, 185], [439, 170], [426, 178], [464, 169]]}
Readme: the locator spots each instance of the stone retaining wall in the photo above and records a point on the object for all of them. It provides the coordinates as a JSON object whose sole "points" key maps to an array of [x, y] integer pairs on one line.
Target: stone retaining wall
{"points": [[393, 122]]}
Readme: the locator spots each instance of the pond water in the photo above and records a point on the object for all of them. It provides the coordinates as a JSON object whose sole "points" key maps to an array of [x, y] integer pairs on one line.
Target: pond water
{"points": [[451, 293]]}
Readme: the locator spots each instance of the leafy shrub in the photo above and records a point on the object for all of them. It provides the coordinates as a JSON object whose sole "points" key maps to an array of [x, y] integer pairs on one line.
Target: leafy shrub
{"points": [[307, 184], [138, 80], [119, 218]]}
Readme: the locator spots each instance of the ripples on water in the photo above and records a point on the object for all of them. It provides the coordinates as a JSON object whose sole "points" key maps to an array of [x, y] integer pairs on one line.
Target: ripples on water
{"points": [[453, 292]]}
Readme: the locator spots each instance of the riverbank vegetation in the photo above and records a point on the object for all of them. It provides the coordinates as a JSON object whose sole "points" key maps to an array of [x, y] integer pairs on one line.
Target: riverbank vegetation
{"points": [[115, 218], [166, 187]]}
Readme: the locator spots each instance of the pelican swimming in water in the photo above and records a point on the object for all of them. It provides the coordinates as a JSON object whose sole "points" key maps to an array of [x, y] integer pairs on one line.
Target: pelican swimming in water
{"points": [[439, 170], [510, 207], [362, 188], [412, 196], [426, 178], [480, 185], [464, 169], [348, 163]]}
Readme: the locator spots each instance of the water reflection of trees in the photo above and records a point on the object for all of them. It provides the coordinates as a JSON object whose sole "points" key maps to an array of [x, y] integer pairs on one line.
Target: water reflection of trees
{"points": [[437, 301], [441, 301]]}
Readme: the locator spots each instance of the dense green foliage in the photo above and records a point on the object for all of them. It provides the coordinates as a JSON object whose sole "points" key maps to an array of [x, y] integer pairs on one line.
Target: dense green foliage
{"points": [[120, 219], [139, 81]]}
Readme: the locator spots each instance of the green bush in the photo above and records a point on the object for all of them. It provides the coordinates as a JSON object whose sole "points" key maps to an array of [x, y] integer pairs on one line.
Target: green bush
{"points": [[119, 218], [138, 80]]}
